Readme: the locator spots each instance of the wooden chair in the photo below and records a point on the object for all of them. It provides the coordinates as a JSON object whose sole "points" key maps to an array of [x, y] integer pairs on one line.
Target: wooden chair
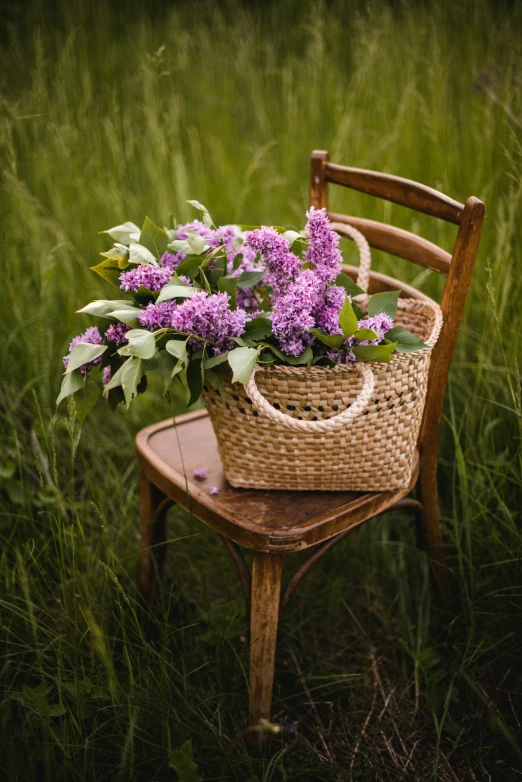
{"points": [[276, 523]]}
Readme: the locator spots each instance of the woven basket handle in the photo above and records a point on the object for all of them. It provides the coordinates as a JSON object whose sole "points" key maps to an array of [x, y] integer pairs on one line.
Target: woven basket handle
{"points": [[365, 262], [265, 409]]}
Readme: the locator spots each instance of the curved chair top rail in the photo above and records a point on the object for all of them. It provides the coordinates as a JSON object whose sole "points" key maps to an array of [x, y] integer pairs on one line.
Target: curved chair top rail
{"points": [[401, 191], [396, 241]]}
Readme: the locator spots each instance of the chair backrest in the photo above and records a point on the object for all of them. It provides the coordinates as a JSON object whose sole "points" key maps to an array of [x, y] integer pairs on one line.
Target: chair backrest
{"points": [[457, 267]]}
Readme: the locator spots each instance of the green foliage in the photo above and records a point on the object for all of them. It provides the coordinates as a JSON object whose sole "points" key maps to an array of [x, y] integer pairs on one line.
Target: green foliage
{"points": [[348, 284], [153, 238], [406, 341], [347, 319], [374, 352], [181, 760], [383, 302], [242, 362]]}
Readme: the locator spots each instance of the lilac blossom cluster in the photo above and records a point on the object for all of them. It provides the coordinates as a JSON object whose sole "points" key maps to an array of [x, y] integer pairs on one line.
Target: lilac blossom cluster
{"points": [[209, 317], [293, 316], [302, 299], [117, 333], [281, 264], [93, 337], [157, 316], [152, 277]]}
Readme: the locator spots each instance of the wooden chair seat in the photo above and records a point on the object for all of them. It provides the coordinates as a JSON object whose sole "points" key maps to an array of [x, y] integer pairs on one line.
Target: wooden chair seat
{"points": [[260, 520]]}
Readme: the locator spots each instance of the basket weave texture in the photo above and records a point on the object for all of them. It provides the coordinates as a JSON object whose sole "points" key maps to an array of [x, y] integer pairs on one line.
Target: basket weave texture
{"points": [[372, 453], [347, 428]]}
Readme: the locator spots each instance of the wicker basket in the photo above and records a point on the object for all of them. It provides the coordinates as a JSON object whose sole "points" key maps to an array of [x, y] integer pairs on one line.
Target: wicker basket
{"points": [[349, 428]]}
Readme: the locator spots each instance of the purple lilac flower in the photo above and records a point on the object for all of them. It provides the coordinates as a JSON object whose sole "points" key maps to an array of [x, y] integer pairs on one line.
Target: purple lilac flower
{"points": [[281, 264], [157, 316], [209, 317], [323, 250], [200, 473], [214, 490], [106, 376], [225, 234], [293, 313], [327, 308], [246, 300], [152, 277], [379, 323], [93, 337], [172, 260], [116, 333], [198, 227]]}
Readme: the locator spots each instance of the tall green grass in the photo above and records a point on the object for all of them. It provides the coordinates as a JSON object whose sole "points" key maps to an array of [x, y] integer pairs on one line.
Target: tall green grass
{"points": [[113, 111]]}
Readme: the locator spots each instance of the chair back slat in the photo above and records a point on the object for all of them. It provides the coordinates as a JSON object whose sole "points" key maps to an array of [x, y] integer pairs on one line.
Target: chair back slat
{"points": [[457, 267], [396, 241], [393, 188]]}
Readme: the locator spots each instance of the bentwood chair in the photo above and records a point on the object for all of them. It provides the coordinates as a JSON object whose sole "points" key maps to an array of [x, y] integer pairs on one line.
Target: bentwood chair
{"points": [[276, 523]]}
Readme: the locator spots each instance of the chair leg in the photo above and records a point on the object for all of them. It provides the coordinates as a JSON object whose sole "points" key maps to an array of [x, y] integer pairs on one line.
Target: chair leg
{"points": [[431, 523], [266, 593], [153, 507]]}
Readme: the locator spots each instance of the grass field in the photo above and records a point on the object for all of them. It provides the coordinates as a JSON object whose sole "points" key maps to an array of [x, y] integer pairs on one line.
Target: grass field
{"points": [[112, 111]]}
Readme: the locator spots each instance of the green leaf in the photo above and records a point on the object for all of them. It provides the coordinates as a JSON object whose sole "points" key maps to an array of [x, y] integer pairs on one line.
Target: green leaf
{"points": [[347, 319], [365, 334], [85, 398], [204, 282], [115, 380], [359, 314], [70, 384], [102, 307], [178, 349], [242, 362], [128, 315], [238, 260], [196, 242], [346, 282], [249, 279], [182, 763], [118, 253], [190, 266], [176, 291], [306, 357], [130, 377], [125, 233], [108, 270], [141, 255], [215, 360], [206, 217], [82, 353], [229, 285], [332, 340], [145, 296], [153, 238], [141, 343], [215, 380], [179, 246], [406, 341], [374, 352], [258, 328], [383, 302], [195, 379]]}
